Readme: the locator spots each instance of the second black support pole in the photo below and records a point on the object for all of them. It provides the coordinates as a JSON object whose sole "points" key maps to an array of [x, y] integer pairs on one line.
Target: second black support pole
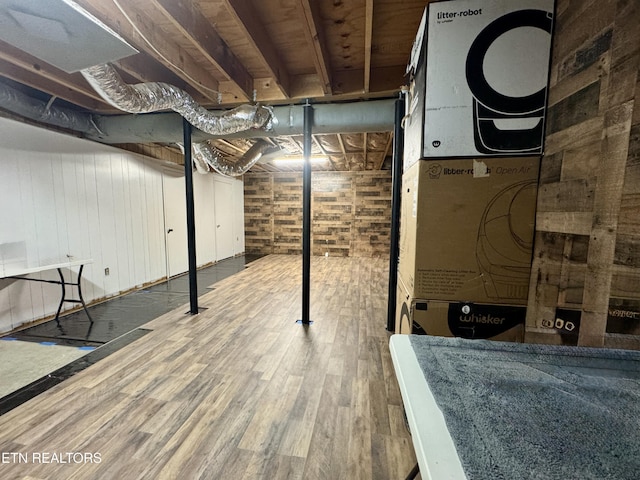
{"points": [[306, 214], [398, 154], [191, 219]]}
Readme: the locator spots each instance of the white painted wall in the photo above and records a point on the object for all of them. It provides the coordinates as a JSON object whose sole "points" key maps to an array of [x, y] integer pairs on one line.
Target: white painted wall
{"points": [[60, 195], [219, 217], [175, 215], [238, 216], [203, 199], [215, 198]]}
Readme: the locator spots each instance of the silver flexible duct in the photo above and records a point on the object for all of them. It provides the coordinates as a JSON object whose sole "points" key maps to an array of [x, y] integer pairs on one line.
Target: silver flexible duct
{"points": [[17, 102], [205, 154], [202, 166], [155, 96], [197, 161]]}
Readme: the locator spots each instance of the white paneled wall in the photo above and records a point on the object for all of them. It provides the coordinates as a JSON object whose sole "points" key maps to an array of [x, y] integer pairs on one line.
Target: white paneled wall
{"points": [[63, 196], [203, 197], [238, 215], [206, 192]]}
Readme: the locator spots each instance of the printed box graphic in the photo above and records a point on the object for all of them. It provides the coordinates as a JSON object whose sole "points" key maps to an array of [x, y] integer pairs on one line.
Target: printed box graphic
{"points": [[487, 66], [466, 229]]}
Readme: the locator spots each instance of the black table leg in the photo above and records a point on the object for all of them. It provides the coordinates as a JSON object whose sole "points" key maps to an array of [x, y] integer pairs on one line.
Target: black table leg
{"points": [[413, 473], [84, 305], [64, 298]]}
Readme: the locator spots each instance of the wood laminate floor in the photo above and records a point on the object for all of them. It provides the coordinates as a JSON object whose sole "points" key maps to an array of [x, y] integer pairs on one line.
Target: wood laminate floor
{"points": [[239, 391]]}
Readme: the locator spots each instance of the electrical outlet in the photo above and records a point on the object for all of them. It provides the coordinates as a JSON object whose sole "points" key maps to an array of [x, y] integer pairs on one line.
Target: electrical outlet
{"points": [[106, 272]]}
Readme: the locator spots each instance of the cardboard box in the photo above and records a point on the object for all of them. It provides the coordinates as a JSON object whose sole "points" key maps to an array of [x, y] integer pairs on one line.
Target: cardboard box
{"points": [[414, 101], [466, 229], [483, 90], [467, 320]]}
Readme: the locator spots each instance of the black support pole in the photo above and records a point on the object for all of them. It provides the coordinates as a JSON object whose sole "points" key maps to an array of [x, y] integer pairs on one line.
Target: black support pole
{"points": [[306, 214], [398, 150], [191, 219]]}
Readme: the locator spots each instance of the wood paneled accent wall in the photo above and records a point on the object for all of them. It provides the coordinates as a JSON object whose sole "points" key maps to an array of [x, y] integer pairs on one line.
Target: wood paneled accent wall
{"points": [[586, 266], [351, 213]]}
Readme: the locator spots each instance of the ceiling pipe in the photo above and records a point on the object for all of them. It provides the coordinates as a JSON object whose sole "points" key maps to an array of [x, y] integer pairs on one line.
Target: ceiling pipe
{"points": [[17, 102], [330, 118]]}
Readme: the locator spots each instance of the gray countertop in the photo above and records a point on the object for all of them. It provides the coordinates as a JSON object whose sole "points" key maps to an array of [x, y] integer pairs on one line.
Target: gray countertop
{"points": [[525, 411]]}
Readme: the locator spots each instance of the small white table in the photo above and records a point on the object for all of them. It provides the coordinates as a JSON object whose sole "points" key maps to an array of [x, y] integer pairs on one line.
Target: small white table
{"points": [[18, 272]]}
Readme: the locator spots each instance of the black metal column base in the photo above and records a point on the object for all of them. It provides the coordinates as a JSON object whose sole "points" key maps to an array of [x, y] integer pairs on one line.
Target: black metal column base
{"points": [[302, 322], [199, 310]]}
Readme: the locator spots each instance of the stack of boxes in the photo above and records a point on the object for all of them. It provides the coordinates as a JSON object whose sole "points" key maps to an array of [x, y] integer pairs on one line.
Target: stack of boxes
{"points": [[474, 133]]}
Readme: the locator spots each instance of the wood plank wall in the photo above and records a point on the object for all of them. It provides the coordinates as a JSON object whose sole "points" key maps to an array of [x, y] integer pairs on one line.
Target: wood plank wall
{"points": [[586, 267], [351, 213]]}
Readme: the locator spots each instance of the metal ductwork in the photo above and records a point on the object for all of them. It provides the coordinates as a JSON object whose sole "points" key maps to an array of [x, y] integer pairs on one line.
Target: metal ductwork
{"points": [[206, 158], [154, 96], [17, 102], [244, 121], [157, 96], [350, 117]]}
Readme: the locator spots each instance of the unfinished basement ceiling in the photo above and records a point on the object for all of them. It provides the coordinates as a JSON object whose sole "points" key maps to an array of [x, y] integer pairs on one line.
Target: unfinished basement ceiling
{"points": [[229, 52]]}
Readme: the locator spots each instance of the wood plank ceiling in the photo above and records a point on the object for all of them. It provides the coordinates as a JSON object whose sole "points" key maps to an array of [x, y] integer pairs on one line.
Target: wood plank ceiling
{"points": [[229, 52]]}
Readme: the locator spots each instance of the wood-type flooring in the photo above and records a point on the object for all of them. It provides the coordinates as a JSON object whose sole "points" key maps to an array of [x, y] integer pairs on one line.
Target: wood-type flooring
{"points": [[239, 391]]}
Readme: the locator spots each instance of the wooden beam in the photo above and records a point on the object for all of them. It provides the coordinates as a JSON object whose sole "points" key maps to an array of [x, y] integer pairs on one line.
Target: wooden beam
{"points": [[146, 69], [365, 149], [344, 152], [50, 86], [145, 36], [324, 152], [382, 79], [231, 145], [348, 84], [315, 37], [38, 74], [368, 35], [258, 37], [386, 151], [187, 18]]}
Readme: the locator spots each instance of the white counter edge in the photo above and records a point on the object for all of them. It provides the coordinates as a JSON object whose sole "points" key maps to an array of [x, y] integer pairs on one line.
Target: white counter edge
{"points": [[434, 447]]}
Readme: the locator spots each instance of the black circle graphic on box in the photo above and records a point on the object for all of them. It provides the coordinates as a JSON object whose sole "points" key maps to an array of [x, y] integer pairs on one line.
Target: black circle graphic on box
{"points": [[480, 88]]}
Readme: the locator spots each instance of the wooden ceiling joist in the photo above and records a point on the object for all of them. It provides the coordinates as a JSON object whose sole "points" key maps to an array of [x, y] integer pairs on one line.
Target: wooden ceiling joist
{"points": [[365, 149], [386, 151], [324, 152], [368, 36], [139, 31], [315, 37], [145, 69], [257, 35], [186, 17]]}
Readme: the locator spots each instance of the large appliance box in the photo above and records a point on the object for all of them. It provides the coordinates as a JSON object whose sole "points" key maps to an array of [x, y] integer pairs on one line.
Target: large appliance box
{"points": [[466, 229], [478, 79], [458, 319]]}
